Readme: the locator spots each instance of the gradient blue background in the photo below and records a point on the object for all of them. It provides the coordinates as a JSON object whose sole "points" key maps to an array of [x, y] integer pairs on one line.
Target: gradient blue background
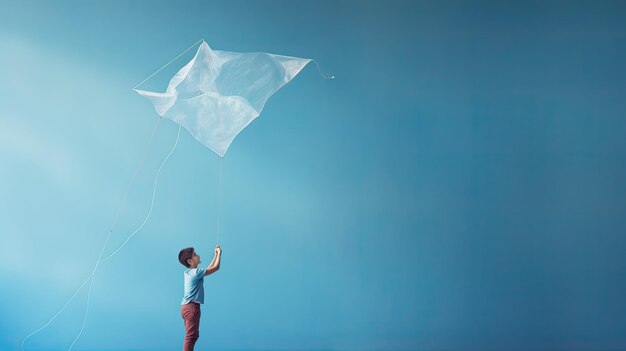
{"points": [[460, 185]]}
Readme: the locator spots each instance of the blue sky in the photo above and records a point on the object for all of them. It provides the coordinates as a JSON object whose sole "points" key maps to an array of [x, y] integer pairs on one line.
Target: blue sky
{"points": [[459, 185]]}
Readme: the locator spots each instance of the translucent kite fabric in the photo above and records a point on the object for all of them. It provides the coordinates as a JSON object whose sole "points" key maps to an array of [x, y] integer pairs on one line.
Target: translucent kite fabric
{"points": [[218, 93]]}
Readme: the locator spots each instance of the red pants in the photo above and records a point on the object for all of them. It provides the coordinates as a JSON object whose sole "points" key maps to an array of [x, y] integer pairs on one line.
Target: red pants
{"points": [[191, 315]]}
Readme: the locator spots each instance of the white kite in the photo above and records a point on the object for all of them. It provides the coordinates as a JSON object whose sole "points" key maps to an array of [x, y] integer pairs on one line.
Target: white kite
{"points": [[218, 93]]}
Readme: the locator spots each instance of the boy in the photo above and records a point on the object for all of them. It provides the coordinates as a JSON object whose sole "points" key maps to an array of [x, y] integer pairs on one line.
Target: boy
{"points": [[194, 291]]}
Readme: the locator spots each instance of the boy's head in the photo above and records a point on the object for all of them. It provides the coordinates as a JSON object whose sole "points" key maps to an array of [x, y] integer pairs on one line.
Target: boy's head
{"points": [[188, 258]]}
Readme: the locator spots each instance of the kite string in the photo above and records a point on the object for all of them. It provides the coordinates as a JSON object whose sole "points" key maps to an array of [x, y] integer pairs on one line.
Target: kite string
{"points": [[105, 244], [131, 183], [167, 64], [92, 276], [57, 314], [320, 71], [156, 179], [219, 184], [84, 318], [136, 172], [219, 201]]}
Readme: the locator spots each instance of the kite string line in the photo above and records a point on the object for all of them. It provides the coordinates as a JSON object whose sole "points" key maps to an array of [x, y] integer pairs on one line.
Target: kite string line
{"points": [[93, 273], [84, 318], [156, 179], [131, 183], [57, 314], [219, 184], [320, 71], [219, 201], [92, 276], [134, 176], [167, 64], [135, 232]]}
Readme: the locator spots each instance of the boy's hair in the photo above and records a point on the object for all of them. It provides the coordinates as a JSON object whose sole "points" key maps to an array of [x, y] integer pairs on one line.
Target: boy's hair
{"points": [[184, 255]]}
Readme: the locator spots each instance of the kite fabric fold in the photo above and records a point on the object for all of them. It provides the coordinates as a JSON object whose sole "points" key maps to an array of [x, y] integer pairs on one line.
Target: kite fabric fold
{"points": [[218, 93]]}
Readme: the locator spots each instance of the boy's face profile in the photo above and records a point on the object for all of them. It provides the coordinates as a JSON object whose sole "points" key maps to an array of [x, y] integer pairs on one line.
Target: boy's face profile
{"points": [[194, 261]]}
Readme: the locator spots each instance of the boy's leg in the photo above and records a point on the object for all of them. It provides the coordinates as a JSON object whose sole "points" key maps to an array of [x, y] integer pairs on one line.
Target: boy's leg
{"points": [[191, 315]]}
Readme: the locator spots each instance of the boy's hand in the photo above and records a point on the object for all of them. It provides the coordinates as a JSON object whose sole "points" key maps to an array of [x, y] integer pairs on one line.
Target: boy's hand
{"points": [[218, 250]]}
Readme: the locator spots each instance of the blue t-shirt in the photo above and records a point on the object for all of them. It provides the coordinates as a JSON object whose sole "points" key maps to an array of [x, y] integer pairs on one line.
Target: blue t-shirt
{"points": [[194, 285]]}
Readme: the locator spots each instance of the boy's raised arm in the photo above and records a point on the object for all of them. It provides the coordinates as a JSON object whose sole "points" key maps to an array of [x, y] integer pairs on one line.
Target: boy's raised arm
{"points": [[214, 266]]}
